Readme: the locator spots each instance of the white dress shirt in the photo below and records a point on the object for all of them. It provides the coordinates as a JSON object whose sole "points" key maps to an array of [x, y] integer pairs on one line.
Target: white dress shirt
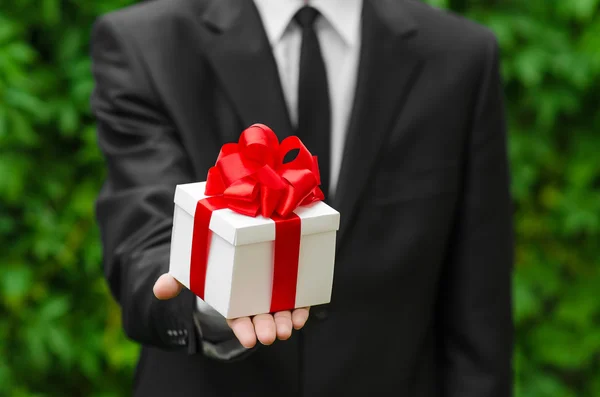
{"points": [[338, 30]]}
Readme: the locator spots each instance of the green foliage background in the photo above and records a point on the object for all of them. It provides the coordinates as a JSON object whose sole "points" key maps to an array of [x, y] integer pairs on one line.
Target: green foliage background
{"points": [[60, 331]]}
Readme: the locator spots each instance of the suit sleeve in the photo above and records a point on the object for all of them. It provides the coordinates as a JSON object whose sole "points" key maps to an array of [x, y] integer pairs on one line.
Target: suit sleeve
{"points": [[475, 315], [145, 160]]}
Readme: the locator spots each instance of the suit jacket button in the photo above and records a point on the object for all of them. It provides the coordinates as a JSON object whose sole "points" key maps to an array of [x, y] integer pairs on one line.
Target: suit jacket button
{"points": [[320, 313]]}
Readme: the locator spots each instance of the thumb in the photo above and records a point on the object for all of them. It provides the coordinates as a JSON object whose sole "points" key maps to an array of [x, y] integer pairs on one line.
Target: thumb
{"points": [[166, 287]]}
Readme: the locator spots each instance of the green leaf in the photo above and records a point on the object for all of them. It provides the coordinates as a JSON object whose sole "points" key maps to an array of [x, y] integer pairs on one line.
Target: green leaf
{"points": [[545, 385], [26, 102], [530, 66], [20, 52], [90, 364], [13, 176], [59, 343], [21, 129], [51, 11], [3, 123], [68, 119], [54, 308], [560, 347], [39, 357], [16, 282], [527, 303]]}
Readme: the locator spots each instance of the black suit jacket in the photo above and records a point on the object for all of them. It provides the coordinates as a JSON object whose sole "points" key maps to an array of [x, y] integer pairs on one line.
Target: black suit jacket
{"points": [[421, 300]]}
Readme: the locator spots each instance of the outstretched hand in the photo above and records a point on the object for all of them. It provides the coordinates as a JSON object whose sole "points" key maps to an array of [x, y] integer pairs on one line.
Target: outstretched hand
{"points": [[263, 327]]}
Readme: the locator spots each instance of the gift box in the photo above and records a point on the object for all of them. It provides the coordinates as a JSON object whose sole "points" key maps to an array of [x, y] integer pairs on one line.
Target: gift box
{"points": [[256, 237]]}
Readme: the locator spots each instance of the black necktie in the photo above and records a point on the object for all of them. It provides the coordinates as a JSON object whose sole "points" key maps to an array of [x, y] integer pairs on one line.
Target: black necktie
{"points": [[314, 118]]}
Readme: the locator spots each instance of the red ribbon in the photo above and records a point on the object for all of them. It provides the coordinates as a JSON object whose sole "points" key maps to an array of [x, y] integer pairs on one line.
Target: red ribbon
{"points": [[251, 178]]}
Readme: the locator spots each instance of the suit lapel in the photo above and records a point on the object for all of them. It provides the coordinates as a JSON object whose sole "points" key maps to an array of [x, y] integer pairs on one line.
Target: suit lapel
{"points": [[241, 56], [388, 67]]}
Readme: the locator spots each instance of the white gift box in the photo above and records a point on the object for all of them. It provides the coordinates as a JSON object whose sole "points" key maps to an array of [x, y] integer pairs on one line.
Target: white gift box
{"points": [[239, 275]]}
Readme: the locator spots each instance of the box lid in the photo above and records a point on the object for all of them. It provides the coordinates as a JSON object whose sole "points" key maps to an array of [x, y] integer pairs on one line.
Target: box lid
{"points": [[238, 229]]}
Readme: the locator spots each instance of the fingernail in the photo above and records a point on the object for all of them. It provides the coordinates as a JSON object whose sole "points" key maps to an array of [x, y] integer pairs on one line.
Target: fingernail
{"points": [[268, 341]]}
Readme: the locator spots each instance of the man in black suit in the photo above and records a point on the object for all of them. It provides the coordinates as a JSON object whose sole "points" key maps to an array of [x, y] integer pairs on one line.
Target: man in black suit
{"points": [[403, 105]]}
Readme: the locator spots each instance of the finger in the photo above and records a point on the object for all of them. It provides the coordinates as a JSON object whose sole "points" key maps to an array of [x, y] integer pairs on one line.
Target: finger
{"points": [[244, 330], [265, 329], [166, 287], [299, 317], [283, 322]]}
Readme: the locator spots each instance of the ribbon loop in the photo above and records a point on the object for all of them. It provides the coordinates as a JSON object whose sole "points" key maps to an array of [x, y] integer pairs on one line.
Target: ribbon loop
{"points": [[252, 178]]}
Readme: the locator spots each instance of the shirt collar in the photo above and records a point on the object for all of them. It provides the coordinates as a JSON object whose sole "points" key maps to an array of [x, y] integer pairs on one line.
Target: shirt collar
{"points": [[343, 15]]}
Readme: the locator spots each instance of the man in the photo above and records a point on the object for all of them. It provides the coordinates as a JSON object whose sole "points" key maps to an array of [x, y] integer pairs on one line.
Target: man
{"points": [[403, 105]]}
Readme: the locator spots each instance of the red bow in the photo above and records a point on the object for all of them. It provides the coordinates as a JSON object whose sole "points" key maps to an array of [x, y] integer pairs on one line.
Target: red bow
{"points": [[253, 179]]}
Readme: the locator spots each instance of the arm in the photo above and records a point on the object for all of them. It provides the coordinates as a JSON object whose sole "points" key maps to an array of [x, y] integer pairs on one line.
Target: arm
{"points": [[135, 208], [474, 319]]}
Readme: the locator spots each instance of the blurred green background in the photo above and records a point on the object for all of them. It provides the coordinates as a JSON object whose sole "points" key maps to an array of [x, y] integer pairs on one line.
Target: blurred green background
{"points": [[60, 331]]}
